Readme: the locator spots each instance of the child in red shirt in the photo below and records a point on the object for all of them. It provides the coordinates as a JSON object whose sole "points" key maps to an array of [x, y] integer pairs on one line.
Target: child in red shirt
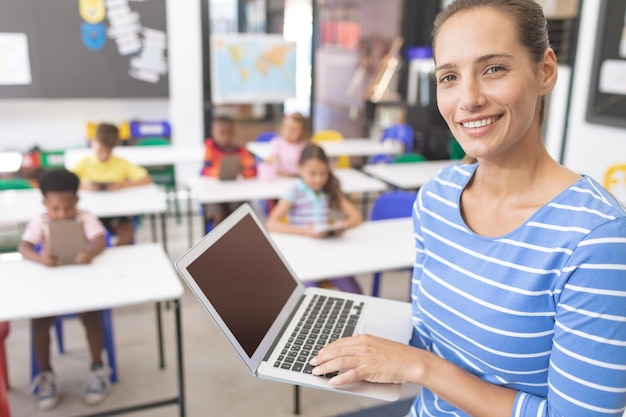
{"points": [[220, 144]]}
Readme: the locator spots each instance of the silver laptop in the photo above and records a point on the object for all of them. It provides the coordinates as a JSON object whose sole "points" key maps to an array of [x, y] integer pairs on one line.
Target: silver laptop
{"points": [[244, 282]]}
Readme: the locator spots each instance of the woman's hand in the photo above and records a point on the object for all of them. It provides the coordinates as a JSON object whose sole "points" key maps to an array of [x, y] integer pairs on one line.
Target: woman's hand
{"points": [[367, 358]]}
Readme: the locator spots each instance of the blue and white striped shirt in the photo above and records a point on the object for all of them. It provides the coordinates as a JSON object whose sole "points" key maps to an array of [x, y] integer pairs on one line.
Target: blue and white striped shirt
{"points": [[307, 206], [541, 310]]}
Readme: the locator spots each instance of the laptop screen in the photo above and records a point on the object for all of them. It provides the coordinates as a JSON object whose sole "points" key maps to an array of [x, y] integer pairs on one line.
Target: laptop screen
{"points": [[245, 280]]}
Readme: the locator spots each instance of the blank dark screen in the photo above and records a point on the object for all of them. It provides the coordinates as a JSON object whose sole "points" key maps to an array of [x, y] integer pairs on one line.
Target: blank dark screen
{"points": [[245, 280]]}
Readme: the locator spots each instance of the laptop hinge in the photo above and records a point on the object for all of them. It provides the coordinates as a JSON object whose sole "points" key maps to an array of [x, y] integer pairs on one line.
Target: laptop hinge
{"points": [[293, 312]]}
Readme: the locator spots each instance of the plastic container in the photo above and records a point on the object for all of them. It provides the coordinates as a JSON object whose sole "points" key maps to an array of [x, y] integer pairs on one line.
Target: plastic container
{"points": [[420, 73], [267, 171]]}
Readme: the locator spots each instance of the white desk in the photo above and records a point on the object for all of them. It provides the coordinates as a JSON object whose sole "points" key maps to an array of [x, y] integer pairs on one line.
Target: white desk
{"points": [[370, 247], [211, 190], [206, 190], [118, 277], [407, 175], [19, 206], [347, 146], [143, 155]]}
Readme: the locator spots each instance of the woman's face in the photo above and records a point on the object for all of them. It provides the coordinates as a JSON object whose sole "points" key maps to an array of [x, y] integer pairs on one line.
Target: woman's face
{"points": [[488, 85]]}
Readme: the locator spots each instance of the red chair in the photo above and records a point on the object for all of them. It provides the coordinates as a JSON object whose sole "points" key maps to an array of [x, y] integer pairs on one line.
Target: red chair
{"points": [[4, 372]]}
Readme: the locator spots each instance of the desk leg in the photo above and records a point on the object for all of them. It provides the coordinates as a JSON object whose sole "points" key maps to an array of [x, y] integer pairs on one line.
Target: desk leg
{"points": [[179, 351], [164, 230], [189, 218], [296, 399], [160, 334], [153, 230]]}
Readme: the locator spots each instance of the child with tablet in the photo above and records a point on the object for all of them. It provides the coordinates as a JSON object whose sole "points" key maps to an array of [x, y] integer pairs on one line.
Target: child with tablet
{"points": [[312, 205], [60, 196]]}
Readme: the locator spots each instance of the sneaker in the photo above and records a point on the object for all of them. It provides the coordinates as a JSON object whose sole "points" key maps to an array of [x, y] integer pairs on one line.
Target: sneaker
{"points": [[47, 395], [97, 385]]}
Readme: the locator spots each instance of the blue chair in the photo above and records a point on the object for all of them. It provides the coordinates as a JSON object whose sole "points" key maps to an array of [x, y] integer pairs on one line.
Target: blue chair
{"points": [[401, 132], [108, 343], [390, 205], [265, 136]]}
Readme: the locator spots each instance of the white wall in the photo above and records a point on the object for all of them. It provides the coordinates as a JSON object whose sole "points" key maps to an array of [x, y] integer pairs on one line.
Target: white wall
{"points": [[590, 148], [54, 124]]}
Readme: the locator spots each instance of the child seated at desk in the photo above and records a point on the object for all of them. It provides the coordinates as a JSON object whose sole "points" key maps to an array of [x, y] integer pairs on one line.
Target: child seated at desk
{"points": [[286, 147], [105, 171], [313, 201], [221, 144], [60, 196]]}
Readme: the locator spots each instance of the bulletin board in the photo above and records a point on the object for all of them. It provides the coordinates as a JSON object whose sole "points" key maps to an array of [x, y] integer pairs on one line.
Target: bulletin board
{"points": [[607, 87], [83, 49]]}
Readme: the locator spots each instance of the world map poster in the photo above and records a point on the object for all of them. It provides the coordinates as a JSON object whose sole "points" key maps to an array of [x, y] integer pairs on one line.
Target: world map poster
{"points": [[249, 68]]}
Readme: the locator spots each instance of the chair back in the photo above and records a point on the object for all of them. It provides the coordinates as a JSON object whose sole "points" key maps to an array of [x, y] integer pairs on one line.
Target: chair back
{"points": [[14, 184], [161, 174], [393, 205], [342, 161], [454, 149], [152, 141], [401, 132], [408, 158], [326, 135], [265, 136], [52, 159]]}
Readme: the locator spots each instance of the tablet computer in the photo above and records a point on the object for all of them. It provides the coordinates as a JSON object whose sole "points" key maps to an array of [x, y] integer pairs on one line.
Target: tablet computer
{"points": [[65, 239], [329, 229], [230, 167]]}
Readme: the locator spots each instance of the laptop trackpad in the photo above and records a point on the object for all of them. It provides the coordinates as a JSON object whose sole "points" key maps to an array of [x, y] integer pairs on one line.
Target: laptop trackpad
{"points": [[389, 320]]}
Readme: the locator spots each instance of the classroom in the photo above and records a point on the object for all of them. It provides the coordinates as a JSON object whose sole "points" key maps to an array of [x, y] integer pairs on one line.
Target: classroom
{"points": [[167, 75]]}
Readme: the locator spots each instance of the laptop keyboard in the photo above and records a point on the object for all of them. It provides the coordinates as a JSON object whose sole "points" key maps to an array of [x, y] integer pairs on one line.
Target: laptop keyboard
{"points": [[325, 320]]}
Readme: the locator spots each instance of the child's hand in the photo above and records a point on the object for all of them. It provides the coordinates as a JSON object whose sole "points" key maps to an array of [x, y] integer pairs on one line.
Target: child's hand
{"points": [[84, 257], [115, 186], [91, 186], [312, 231], [48, 259], [341, 227]]}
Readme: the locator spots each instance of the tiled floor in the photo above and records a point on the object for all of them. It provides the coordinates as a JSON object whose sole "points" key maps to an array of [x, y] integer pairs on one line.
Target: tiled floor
{"points": [[216, 382]]}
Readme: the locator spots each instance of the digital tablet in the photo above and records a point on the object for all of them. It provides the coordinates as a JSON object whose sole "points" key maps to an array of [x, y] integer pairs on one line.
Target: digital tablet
{"points": [[65, 239]]}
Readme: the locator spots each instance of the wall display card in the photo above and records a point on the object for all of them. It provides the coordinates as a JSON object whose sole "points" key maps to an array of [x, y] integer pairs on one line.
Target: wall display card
{"points": [[14, 59]]}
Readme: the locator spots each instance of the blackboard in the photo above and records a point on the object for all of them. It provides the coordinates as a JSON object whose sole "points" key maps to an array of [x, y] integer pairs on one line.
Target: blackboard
{"points": [[607, 92], [64, 62]]}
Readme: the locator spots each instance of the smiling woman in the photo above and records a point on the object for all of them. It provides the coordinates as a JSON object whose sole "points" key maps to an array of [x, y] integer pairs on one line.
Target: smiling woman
{"points": [[520, 269]]}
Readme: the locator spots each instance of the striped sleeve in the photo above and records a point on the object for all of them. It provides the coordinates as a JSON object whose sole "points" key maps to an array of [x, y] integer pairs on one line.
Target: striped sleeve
{"points": [[416, 340], [33, 233], [541, 309], [587, 372]]}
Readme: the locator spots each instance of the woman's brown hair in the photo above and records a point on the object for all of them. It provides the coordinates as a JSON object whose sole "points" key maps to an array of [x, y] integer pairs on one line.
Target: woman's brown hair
{"points": [[532, 27]]}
